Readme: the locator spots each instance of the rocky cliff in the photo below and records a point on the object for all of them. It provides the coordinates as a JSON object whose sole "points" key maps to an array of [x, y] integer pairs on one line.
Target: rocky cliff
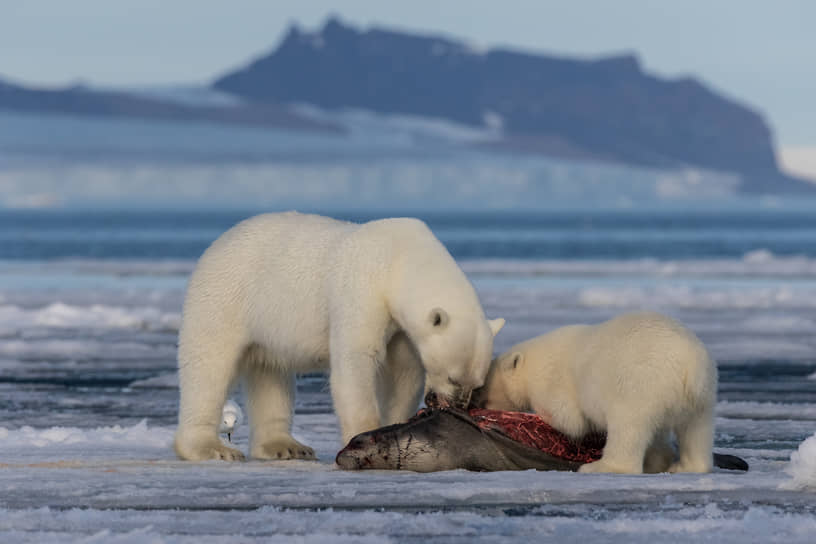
{"points": [[606, 109]]}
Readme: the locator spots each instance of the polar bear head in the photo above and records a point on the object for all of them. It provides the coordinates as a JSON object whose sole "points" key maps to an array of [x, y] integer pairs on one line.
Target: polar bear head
{"points": [[434, 303], [505, 385], [456, 351]]}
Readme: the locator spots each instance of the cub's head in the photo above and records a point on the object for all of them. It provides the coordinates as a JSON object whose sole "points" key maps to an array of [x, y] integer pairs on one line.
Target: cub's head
{"points": [[505, 385], [455, 350]]}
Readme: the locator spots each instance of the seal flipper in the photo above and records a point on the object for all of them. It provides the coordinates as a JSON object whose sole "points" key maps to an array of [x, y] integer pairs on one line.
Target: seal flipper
{"points": [[730, 462]]}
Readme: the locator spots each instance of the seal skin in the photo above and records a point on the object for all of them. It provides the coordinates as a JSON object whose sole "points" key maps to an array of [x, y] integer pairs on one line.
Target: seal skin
{"points": [[445, 438]]}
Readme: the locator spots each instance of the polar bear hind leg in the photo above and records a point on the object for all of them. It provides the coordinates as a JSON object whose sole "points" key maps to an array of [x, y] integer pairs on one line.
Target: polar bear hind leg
{"points": [[402, 381], [628, 437], [660, 455], [271, 396], [207, 369], [695, 439]]}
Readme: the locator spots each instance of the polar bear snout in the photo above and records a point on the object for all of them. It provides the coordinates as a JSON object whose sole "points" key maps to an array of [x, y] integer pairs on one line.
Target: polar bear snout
{"points": [[450, 392], [458, 359], [461, 397]]}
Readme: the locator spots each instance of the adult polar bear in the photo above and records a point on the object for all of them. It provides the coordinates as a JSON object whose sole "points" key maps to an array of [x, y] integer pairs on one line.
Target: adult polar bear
{"points": [[638, 376], [383, 305]]}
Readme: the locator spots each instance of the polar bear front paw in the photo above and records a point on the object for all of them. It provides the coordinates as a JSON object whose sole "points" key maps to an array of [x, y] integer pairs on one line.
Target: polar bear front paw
{"points": [[281, 448]]}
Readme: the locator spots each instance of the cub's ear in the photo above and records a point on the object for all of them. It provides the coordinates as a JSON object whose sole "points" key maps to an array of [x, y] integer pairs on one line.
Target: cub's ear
{"points": [[512, 361], [496, 325], [438, 318]]}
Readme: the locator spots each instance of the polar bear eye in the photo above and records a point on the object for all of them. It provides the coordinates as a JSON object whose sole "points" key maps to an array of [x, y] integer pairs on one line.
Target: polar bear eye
{"points": [[510, 363], [516, 360]]}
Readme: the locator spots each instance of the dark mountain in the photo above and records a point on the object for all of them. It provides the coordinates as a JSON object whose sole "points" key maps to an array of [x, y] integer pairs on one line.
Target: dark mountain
{"points": [[606, 109], [81, 101]]}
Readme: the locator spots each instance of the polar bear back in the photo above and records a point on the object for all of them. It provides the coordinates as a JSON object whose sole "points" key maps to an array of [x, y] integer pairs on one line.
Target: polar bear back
{"points": [[637, 354], [277, 279], [265, 279]]}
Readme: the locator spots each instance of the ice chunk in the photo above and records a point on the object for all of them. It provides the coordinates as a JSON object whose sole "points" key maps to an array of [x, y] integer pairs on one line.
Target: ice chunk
{"points": [[758, 256], [803, 466]]}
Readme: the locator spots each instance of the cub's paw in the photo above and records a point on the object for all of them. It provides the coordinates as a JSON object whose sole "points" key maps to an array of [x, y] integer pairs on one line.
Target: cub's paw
{"points": [[699, 467], [602, 466], [208, 451], [281, 448]]}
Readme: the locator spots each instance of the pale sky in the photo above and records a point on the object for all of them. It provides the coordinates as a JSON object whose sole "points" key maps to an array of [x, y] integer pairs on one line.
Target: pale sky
{"points": [[761, 52]]}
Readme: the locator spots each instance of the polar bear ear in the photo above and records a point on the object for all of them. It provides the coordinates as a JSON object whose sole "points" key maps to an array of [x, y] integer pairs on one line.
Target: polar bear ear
{"points": [[438, 318], [513, 361], [496, 325]]}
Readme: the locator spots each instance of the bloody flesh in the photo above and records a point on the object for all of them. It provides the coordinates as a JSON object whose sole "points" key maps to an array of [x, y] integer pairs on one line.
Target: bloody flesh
{"points": [[533, 431]]}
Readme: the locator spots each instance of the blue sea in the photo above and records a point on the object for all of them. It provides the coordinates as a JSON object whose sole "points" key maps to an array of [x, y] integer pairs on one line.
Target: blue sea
{"points": [[569, 234], [90, 307]]}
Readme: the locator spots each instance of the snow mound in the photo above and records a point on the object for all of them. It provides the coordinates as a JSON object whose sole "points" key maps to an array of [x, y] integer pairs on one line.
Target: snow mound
{"points": [[684, 296], [760, 263], [60, 315], [139, 434], [759, 256], [803, 466], [766, 410]]}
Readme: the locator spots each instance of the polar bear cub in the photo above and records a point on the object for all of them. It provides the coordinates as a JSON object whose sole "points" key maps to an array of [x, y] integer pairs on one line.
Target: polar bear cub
{"points": [[639, 377], [382, 305]]}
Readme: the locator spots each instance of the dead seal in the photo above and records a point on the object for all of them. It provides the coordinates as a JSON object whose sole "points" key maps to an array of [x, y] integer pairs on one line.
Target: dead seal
{"points": [[447, 438]]}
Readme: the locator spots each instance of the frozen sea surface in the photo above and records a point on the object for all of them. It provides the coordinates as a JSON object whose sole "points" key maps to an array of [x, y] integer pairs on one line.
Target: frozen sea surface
{"points": [[88, 402], [123, 484]]}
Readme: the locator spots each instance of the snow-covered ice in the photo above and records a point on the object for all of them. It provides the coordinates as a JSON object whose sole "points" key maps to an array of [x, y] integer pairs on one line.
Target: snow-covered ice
{"points": [[124, 484], [88, 401]]}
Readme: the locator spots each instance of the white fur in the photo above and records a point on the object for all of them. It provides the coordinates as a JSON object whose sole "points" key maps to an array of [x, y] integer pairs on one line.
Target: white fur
{"points": [[285, 293], [639, 377]]}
